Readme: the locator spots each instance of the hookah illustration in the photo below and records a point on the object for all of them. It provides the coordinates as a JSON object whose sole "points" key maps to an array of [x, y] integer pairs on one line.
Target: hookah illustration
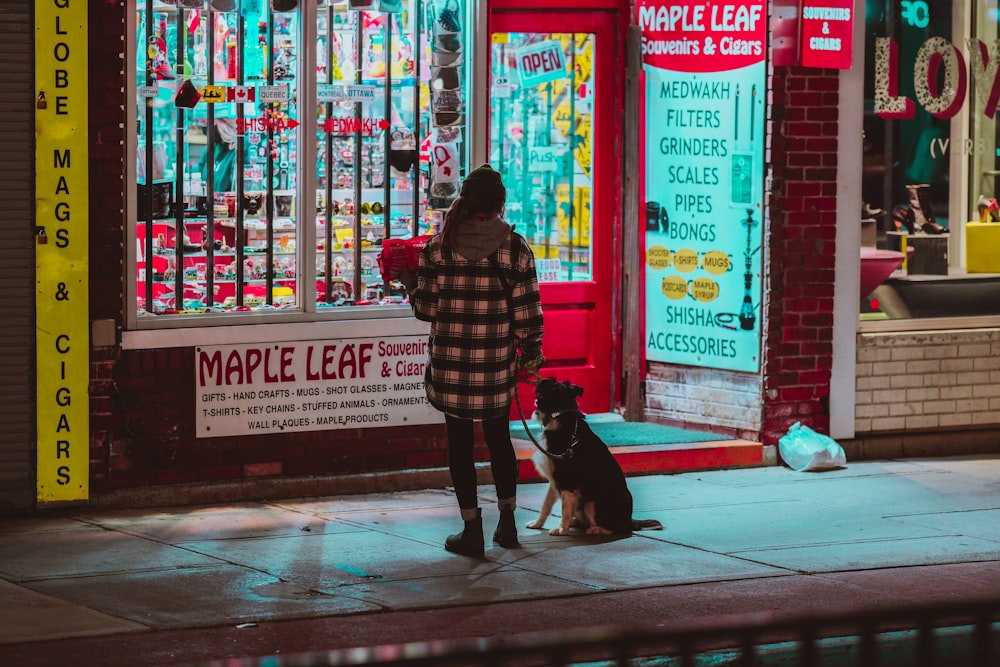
{"points": [[747, 311]]}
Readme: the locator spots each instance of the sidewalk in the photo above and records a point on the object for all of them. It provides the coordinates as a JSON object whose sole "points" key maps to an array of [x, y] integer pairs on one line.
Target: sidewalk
{"points": [[323, 573]]}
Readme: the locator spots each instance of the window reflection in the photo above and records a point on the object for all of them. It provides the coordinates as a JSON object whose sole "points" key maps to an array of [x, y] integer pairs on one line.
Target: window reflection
{"points": [[221, 194], [541, 92]]}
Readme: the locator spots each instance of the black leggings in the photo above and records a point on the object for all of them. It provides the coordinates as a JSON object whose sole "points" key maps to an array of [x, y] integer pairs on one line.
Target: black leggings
{"points": [[503, 461]]}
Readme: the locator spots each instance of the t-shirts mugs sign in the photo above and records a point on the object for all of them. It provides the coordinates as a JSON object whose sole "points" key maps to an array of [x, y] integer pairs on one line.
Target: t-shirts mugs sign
{"points": [[702, 36], [541, 63], [827, 33]]}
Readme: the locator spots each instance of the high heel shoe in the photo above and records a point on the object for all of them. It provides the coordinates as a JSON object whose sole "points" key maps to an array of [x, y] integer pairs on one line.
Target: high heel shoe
{"points": [[989, 209], [903, 218]]}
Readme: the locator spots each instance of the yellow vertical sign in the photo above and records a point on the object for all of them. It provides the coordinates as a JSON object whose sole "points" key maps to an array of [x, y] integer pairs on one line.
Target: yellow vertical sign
{"points": [[61, 251]]}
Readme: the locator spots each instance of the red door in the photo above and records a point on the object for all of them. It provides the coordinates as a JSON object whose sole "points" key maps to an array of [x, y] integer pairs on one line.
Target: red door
{"points": [[554, 131]]}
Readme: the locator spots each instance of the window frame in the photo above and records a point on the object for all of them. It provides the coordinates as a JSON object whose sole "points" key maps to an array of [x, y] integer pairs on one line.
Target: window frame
{"points": [[960, 169], [184, 329]]}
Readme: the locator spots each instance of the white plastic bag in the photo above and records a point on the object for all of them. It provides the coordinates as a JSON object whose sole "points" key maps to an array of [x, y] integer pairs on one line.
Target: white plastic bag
{"points": [[805, 450]]}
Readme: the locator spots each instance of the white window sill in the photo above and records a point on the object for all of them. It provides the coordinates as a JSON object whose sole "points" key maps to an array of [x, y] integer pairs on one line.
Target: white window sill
{"points": [[188, 334]]}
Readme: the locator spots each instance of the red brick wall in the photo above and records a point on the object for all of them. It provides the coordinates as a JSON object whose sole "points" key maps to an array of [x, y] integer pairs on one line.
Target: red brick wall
{"points": [[798, 345], [153, 438], [107, 121]]}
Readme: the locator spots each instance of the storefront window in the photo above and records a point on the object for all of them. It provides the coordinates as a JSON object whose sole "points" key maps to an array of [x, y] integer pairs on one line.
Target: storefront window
{"points": [[541, 120], [229, 219], [930, 223]]}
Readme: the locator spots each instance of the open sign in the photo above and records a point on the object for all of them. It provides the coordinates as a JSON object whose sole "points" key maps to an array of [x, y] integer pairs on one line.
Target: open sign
{"points": [[541, 63]]}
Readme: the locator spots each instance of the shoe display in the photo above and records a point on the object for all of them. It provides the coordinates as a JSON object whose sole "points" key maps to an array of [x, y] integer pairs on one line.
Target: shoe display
{"points": [[903, 219], [868, 212], [920, 208], [989, 210]]}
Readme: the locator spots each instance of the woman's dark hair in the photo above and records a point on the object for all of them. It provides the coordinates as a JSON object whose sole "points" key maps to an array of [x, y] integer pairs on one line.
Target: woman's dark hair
{"points": [[483, 194]]}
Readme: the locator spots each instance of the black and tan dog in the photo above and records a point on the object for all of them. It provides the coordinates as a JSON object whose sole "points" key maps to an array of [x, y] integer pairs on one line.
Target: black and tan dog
{"points": [[580, 468]]}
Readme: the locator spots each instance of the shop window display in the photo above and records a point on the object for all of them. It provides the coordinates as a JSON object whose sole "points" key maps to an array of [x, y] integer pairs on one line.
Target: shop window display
{"points": [[541, 130], [222, 198], [930, 222]]}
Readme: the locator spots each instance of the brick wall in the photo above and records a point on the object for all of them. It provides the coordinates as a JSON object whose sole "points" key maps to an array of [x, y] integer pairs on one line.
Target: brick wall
{"points": [[798, 342], [106, 124], [798, 291], [728, 402], [151, 437], [927, 381]]}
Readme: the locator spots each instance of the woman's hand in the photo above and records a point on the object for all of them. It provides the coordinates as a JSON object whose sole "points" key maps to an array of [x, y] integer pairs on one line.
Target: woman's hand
{"points": [[409, 279]]}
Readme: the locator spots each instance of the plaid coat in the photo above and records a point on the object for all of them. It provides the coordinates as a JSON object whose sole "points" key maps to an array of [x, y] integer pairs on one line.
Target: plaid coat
{"points": [[472, 352]]}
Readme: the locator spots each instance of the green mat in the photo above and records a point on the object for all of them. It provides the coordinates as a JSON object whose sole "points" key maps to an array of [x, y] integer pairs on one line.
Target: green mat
{"points": [[631, 433]]}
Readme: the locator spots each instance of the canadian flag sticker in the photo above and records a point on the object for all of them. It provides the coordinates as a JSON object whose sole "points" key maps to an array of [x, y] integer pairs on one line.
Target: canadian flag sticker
{"points": [[241, 94]]}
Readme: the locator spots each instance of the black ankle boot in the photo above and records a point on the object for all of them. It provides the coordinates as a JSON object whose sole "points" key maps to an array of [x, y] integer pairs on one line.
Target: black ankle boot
{"points": [[470, 541], [920, 204], [506, 533]]}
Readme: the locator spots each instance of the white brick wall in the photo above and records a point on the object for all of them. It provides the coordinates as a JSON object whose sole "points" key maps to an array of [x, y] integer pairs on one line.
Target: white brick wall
{"points": [[704, 396], [927, 380]]}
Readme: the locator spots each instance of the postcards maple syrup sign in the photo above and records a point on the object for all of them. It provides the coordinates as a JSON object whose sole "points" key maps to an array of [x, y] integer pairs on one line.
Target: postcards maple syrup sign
{"points": [[311, 386], [62, 310], [703, 168]]}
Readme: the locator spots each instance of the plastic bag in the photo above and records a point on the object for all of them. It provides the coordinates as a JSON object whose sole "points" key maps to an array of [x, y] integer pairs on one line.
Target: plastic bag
{"points": [[805, 450]]}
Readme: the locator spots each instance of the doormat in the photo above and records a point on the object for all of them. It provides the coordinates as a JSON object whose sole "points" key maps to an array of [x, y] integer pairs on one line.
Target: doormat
{"points": [[616, 434]]}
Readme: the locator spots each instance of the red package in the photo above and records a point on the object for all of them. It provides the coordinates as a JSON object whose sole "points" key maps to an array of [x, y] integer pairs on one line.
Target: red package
{"points": [[400, 254]]}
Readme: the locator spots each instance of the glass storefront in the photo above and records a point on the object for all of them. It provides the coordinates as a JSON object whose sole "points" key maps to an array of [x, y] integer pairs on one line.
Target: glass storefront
{"points": [[541, 120], [231, 214], [931, 160]]}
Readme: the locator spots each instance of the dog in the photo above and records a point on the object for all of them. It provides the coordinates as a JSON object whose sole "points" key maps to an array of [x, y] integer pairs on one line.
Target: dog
{"points": [[580, 468]]}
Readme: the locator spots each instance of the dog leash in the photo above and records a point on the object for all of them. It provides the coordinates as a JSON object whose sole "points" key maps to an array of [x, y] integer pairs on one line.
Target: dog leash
{"points": [[533, 376]]}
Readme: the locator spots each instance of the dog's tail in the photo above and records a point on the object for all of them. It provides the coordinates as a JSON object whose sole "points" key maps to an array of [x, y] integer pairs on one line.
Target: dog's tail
{"points": [[646, 524]]}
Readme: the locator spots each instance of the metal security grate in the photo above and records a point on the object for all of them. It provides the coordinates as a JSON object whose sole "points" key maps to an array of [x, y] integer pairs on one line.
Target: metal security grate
{"points": [[730, 641]]}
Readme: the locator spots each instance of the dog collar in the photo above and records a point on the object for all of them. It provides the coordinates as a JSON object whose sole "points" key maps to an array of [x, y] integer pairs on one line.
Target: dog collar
{"points": [[560, 413], [574, 440]]}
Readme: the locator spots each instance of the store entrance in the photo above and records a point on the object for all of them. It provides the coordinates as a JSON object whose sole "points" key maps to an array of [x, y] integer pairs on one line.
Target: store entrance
{"points": [[552, 135]]}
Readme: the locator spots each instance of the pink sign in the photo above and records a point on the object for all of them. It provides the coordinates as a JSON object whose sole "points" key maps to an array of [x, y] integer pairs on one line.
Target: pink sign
{"points": [[827, 33]]}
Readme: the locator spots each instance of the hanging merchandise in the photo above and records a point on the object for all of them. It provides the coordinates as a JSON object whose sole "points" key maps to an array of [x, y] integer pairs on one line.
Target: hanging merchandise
{"points": [[187, 95], [449, 19], [444, 163], [447, 100], [384, 6], [235, 166], [445, 59], [402, 149]]}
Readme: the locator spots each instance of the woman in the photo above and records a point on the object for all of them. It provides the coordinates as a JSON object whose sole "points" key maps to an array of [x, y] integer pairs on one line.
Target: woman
{"points": [[468, 275]]}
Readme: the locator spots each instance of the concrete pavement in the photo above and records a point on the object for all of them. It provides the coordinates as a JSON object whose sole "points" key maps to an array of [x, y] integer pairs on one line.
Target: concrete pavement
{"points": [[206, 582]]}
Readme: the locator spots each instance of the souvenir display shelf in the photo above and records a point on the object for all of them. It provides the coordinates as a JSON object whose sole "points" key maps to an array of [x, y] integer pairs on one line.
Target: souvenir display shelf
{"points": [[226, 172]]}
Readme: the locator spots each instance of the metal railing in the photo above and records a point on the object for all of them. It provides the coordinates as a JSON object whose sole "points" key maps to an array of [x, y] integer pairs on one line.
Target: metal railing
{"points": [[732, 640]]}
